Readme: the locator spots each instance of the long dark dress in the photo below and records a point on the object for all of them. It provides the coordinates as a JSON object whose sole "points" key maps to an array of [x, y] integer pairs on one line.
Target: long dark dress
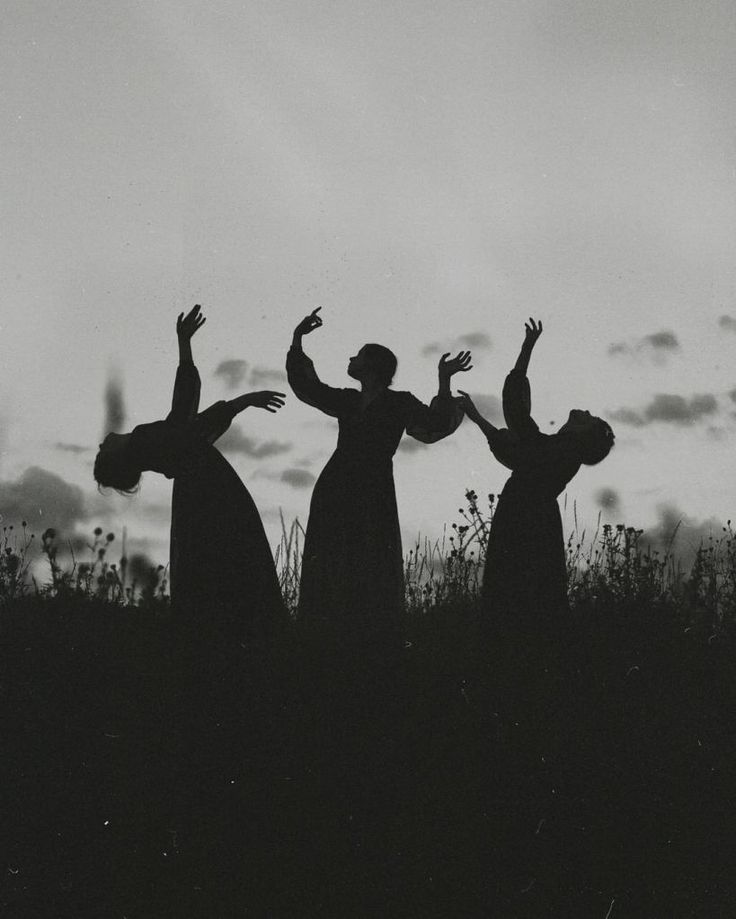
{"points": [[222, 572], [525, 573], [352, 569]]}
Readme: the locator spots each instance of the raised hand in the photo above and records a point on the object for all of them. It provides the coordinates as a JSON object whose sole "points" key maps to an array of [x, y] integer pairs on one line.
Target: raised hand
{"points": [[533, 331], [458, 364], [269, 399], [187, 325], [308, 324]]}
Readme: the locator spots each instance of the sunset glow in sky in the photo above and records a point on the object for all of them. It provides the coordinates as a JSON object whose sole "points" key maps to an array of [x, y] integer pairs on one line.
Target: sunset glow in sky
{"points": [[431, 175]]}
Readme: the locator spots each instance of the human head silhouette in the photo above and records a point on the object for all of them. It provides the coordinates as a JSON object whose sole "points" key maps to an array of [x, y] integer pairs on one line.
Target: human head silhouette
{"points": [[114, 465], [592, 435], [373, 361]]}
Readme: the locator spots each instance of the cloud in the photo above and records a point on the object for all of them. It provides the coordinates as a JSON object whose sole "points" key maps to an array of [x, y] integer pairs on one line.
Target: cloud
{"points": [[43, 499], [469, 340], [678, 410], [608, 499], [297, 478], [233, 371], [627, 416], [656, 346], [114, 404], [732, 395], [476, 340], [662, 341], [234, 441], [728, 323], [678, 533], [259, 375], [669, 409], [70, 448]]}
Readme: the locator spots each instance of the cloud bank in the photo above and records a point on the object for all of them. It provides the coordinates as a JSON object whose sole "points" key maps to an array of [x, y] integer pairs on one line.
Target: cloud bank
{"points": [[468, 341], [655, 347], [42, 498], [669, 408], [297, 478], [234, 441], [235, 373], [114, 404]]}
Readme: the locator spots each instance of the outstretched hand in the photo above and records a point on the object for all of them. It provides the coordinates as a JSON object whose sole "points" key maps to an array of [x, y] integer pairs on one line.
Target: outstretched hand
{"points": [[269, 399], [458, 364], [187, 325], [309, 323], [533, 331]]}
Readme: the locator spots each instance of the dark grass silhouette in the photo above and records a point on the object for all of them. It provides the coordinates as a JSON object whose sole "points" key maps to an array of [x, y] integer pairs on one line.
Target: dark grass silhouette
{"points": [[589, 775]]}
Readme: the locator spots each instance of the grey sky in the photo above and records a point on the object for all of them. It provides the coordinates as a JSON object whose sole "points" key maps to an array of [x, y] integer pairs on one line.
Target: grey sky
{"points": [[423, 171]]}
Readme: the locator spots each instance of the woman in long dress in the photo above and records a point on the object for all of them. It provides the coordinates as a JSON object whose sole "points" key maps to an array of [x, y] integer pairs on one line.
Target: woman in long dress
{"points": [[222, 573], [352, 568], [525, 577]]}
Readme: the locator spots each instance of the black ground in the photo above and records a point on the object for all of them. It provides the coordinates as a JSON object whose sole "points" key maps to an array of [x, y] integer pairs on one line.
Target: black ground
{"points": [[150, 774]]}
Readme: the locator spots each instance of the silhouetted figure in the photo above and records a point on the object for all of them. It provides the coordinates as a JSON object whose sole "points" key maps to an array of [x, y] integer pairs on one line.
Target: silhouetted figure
{"points": [[352, 569], [222, 572], [525, 573]]}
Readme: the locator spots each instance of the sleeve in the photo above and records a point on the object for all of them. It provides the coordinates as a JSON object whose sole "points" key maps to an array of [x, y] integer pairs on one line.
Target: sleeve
{"points": [[309, 388], [517, 405], [504, 446], [430, 423], [214, 421], [185, 401]]}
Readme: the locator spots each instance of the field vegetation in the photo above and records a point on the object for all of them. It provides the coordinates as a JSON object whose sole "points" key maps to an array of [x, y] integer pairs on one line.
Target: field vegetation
{"points": [[584, 770]]}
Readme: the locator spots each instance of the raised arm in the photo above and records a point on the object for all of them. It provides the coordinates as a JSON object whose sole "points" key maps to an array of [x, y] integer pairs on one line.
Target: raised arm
{"points": [[303, 377], [185, 401], [517, 398], [430, 423]]}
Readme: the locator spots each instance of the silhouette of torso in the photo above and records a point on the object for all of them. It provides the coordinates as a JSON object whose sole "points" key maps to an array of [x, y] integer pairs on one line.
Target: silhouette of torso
{"points": [[182, 439]]}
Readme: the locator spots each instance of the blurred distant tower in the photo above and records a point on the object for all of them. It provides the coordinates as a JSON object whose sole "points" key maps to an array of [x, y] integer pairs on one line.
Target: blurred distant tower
{"points": [[114, 403]]}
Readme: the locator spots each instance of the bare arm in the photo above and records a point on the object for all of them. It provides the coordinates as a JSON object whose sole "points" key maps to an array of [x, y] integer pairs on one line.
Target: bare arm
{"points": [[517, 400], [533, 331]]}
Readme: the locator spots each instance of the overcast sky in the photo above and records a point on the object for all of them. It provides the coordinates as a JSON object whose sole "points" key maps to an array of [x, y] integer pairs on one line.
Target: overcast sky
{"points": [[430, 174]]}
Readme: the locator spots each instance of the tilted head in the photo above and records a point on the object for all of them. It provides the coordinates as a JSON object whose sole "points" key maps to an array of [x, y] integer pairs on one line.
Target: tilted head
{"points": [[373, 361], [114, 466], [593, 436]]}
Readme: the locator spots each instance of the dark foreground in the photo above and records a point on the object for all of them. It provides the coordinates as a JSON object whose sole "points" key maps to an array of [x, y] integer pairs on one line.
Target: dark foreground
{"points": [[145, 774]]}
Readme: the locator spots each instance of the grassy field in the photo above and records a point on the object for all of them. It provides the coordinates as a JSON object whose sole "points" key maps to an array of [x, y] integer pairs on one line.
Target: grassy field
{"points": [[147, 772]]}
